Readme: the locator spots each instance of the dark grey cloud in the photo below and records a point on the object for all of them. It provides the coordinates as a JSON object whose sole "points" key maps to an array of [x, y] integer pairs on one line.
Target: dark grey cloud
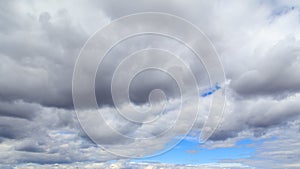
{"points": [[148, 80], [37, 59], [18, 109], [45, 61], [15, 128], [52, 136], [30, 146]]}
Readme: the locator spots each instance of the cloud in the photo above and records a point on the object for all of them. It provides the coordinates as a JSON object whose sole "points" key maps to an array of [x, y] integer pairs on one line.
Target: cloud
{"points": [[40, 42], [278, 150], [257, 116], [122, 164], [279, 79], [18, 109], [52, 136]]}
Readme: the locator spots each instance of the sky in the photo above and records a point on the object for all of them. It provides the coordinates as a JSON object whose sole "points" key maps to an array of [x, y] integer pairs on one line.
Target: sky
{"points": [[45, 45]]}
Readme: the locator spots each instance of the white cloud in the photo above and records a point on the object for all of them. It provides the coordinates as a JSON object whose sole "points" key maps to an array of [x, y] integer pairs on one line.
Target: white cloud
{"points": [[122, 164]]}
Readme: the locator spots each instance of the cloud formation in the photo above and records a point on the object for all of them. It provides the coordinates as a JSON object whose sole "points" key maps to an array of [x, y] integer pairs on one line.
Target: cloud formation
{"points": [[258, 43]]}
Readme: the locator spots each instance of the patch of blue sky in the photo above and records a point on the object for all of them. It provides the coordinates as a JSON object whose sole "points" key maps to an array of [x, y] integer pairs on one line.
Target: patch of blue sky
{"points": [[253, 142], [191, 152], [210, 91]]}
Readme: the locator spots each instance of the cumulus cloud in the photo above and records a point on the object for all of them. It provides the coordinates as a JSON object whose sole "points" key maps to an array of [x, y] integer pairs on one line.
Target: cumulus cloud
{"points": [[258, 43]]}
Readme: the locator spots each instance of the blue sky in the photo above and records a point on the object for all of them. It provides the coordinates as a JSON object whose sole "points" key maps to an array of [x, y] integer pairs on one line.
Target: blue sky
{"points": [[191, 152]]}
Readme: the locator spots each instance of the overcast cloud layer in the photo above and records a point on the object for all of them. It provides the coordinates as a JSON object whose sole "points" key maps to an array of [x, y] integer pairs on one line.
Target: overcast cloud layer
{"points": [[258, 43]]}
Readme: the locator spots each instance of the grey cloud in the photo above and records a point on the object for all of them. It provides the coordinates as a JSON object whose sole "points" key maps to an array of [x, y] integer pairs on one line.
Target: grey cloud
{"points": [[51, 137], [14, 128], [275, 74], [223, 134], [279, 150], [37, 61], [9, 21], [30, 146], [34, 120], [18, 109], [44, 62], [38, 49], [148, 80], [248, 79], [117, 9], [258, 116]]}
